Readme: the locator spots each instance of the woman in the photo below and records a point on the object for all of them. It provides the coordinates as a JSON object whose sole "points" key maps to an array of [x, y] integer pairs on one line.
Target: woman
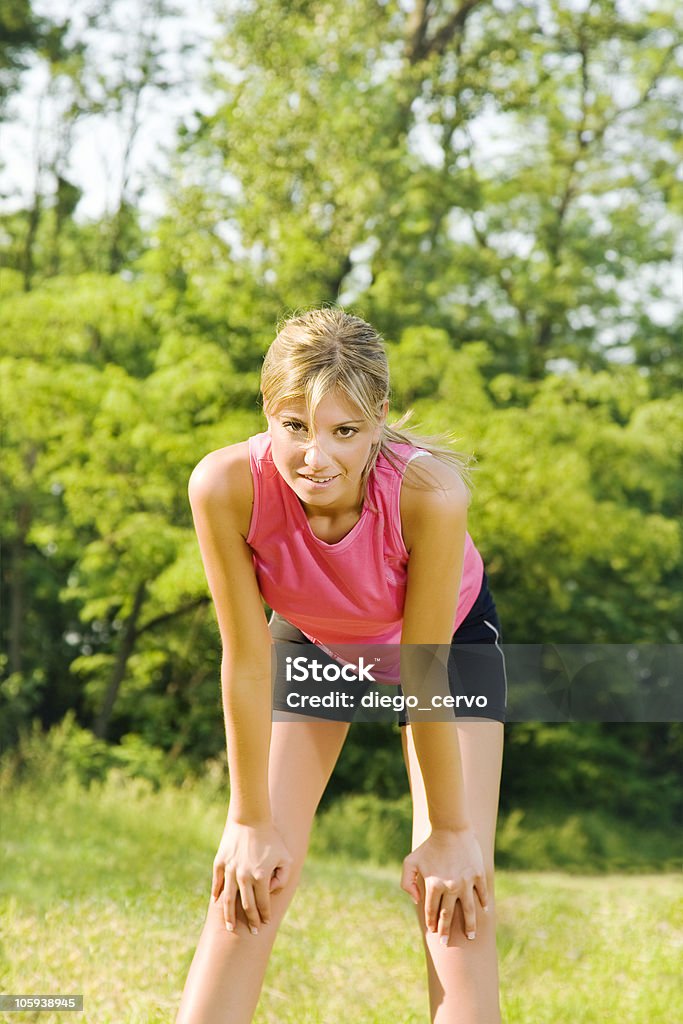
{"points": [[333, 520]]}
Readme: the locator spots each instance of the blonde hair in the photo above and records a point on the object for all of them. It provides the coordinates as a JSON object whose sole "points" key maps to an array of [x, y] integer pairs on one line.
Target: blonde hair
{"points": [[325, 349]]}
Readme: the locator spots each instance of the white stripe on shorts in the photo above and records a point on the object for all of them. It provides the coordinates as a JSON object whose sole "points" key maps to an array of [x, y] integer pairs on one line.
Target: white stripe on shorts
{"points": [[502, 656]]}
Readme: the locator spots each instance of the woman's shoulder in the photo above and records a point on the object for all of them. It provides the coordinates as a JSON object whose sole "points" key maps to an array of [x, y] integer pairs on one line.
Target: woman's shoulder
{"points": [[222, 479], [428, 484]]}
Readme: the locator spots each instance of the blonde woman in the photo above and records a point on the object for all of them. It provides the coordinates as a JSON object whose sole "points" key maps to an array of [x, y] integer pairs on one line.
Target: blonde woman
{"points": [[330, 517]]}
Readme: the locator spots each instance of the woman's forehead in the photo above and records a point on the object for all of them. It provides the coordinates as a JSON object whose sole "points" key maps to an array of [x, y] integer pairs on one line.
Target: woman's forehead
{"points": [[333, 407]]}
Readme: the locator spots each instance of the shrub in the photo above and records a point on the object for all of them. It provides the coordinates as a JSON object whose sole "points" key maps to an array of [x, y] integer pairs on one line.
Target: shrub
{"points": [[364, 827], [69, 752]]}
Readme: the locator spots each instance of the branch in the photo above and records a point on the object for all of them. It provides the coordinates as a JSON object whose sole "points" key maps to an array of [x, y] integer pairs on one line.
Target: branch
{"points": [[455, 25], [418, 46], [417, 31], [160, 619]]}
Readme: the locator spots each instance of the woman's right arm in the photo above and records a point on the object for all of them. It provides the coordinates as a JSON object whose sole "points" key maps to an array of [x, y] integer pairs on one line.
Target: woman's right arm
{"points": [[252, 859]]}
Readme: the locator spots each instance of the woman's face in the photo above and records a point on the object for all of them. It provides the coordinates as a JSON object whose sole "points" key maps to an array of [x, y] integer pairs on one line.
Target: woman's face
{"points": [[323, 466]]}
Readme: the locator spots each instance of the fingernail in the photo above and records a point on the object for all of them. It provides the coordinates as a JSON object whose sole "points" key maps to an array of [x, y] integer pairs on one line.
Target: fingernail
{"points": [[230, 927], [470, 935], [416, 902], [444, 940], [485, 909], [213, 899], [254, 931]]}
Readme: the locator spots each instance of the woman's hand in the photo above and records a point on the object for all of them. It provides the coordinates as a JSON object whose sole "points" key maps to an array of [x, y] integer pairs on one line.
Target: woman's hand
{"points": [[452, 866], [252, 860]]}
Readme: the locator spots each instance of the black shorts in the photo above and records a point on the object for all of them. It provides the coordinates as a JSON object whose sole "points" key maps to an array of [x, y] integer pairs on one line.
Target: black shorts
{"points": [[476, 672]]}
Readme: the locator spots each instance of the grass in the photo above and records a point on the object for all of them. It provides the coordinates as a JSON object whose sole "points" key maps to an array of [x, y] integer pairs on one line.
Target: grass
{"points": [[103, 892]]}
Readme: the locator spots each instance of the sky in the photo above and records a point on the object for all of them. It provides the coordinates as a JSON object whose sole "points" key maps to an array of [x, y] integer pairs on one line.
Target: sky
{"points": [[96, 161]]}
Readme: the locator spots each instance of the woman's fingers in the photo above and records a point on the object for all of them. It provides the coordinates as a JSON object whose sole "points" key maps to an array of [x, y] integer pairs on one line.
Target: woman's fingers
{"points": [[433, 893], [251, 862], [251, 894], [279, 877], [469, 913], [229, 901], [446, 912], [482, 891], [261, 891], [254, 893], [217, 881], [440, 903], [249, 907], [450, 865], [409, 880]]}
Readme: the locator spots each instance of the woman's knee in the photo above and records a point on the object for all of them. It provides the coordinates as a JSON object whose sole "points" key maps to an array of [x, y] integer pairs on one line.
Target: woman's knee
{"points": [[279, 903]]}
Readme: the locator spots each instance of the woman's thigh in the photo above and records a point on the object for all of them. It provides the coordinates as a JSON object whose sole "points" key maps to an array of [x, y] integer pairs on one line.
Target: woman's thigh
{"points": [[481, 754], [303, 753]]}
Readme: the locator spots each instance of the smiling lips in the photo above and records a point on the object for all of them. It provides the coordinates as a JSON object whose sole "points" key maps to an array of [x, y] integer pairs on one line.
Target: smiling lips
{"points": [[319, 479]]}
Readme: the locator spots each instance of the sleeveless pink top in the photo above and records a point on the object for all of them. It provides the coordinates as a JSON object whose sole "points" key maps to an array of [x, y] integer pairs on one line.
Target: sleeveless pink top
{"points": [[351, 592]]}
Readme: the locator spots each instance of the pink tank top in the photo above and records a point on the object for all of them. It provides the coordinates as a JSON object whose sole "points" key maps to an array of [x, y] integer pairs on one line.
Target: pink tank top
{"points": [[351, 592]]}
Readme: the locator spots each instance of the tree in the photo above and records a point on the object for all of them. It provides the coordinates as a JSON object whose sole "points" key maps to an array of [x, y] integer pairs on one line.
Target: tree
{"points": [[374, 178], [100, 67], [20, 33]]}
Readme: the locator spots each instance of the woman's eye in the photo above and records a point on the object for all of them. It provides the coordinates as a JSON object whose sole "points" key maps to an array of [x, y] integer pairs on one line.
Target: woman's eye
{"points": [[294, 427]]}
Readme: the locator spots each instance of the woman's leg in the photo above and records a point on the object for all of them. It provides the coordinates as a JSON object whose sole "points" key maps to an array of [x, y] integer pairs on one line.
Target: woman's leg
{"points": [[226, 975], [463, 976]]}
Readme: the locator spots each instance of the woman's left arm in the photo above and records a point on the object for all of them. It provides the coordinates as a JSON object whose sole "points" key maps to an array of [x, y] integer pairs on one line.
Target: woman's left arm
{"points": [[434, 526]]}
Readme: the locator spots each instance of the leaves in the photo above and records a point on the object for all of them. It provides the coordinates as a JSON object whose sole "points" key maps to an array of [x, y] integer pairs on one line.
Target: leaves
{"points": [[495, 186]]}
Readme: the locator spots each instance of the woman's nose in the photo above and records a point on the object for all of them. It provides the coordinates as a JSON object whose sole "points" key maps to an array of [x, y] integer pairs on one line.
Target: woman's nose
{"points": [[314, 456]]}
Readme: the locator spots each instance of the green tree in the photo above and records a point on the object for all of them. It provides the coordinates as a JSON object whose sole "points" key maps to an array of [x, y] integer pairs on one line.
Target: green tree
{"points": [[552, 241], [104, 419], [102, 67], [20, 33]]}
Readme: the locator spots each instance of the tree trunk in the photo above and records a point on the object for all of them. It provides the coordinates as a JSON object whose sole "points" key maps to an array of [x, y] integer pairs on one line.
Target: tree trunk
{"points": [[128, 639], [17, 590], [17, 574], [28, 263]]}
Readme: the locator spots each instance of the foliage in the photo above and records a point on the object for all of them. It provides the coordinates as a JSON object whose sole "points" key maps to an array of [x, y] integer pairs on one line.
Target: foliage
{"points": [[504, 173], [20, 32], [364, 827], [69, 753], [495, 186], [369, 828], [627, 771]]}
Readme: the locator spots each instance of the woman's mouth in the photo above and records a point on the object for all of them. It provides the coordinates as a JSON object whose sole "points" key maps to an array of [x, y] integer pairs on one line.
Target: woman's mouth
{"points": [[319, 481]]}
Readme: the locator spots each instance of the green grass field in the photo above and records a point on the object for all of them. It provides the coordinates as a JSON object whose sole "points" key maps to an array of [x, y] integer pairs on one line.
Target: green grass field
{"points": [[103, 892]]}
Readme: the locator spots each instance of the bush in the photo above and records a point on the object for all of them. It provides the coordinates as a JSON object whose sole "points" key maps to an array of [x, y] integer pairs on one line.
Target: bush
{"points": [[590, 768], [364, 827], [69, 752], [368, 828], [581, 843]]}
